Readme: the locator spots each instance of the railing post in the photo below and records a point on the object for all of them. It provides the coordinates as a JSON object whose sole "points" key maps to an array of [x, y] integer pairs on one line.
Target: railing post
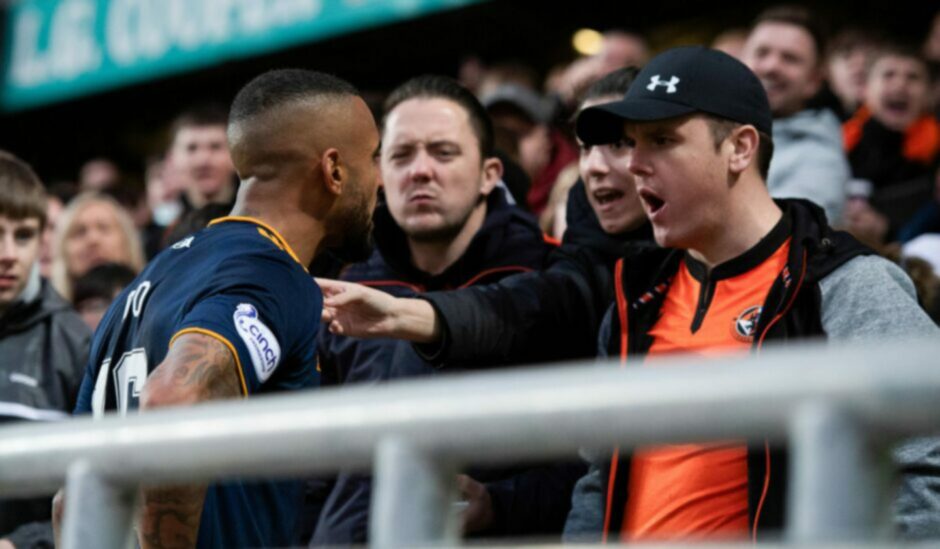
{"points": [[97, 513], [837, 490], [412, 497]]}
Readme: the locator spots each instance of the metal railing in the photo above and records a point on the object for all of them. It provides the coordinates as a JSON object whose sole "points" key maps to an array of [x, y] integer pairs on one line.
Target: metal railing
{"points": [[840, 409]]}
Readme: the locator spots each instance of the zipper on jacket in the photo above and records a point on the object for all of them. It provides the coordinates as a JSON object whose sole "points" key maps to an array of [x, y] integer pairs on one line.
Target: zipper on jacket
{"points": [[759, 341], [705, 294]]}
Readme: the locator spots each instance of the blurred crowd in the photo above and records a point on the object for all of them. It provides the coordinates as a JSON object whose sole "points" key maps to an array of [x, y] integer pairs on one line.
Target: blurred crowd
{"points": [[855, 130]]}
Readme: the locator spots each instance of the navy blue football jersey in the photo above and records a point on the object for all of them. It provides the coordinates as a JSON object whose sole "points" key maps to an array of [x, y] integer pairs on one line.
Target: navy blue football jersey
{"points": [[239, 282]]}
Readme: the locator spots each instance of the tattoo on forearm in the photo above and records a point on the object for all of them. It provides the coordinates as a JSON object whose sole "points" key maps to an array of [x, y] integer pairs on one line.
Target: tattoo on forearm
{"points": [[172, 517], [200, 368]]}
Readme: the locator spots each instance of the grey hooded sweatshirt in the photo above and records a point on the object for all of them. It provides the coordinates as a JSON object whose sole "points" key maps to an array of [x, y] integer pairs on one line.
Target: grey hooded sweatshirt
{"points": [[809, 161], [43, 353]]}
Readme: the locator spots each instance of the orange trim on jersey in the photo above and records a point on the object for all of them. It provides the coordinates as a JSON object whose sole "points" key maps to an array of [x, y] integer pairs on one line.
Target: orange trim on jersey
{"points": [[763, 494], [278, 239], [515, 268], [224, 341]]}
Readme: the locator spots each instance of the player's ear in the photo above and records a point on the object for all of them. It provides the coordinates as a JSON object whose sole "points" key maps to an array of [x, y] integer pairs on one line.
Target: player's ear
{"points": [[334, 171]]}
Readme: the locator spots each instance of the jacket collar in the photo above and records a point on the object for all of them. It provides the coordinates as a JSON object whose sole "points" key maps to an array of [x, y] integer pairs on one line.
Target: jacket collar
{"points": [[25, 314], [811, 240], [505, 239], [750, 259]]}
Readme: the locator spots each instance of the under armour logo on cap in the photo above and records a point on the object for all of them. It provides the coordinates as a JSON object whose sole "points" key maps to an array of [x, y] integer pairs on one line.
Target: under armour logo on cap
{"points": [[670, 85]]}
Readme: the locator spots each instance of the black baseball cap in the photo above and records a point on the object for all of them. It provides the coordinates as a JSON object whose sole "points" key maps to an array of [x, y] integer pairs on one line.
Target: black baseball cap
{"points": [[678, 82]]}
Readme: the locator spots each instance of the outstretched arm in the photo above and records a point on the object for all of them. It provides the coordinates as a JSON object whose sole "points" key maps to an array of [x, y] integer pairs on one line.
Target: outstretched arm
{"points": [[359, 311], [197, 368]]}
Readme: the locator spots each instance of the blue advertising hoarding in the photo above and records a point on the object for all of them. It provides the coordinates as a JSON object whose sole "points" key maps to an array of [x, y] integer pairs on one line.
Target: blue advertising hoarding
{"points": [[61, 49]]}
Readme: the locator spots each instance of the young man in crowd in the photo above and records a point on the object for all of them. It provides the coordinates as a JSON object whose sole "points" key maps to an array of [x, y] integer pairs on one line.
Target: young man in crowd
{"points": [[606, 221], [737, 269], [444, 224], [43, 342], [533, 317], [198, 161]]}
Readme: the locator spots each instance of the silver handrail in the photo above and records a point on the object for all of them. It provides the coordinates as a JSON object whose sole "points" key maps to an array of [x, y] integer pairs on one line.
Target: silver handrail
{"points": [[839, 407]]}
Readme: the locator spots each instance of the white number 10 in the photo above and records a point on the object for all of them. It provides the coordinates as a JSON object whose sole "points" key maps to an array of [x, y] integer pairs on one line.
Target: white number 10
{"points": [[129, 377]]}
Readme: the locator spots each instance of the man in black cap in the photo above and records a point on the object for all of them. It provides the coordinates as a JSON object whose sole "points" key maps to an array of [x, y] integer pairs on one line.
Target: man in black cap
{"points": [[736, 269]]}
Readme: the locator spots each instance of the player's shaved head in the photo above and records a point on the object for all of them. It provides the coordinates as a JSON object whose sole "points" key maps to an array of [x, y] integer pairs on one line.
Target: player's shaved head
{"points": [[274, 88], [287, 115], [304, 141]]}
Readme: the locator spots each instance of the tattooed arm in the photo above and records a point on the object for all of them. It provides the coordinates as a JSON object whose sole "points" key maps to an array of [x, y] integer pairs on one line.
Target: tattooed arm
{"points": [[197, 368]]}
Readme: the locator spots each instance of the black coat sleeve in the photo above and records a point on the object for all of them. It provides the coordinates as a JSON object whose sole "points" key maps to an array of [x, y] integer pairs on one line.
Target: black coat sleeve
{"points": [[532, 317]]}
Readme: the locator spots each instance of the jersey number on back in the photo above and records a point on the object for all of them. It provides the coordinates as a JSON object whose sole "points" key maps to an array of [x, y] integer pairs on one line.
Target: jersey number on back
{"points": [[130, 373], [129, 377]]}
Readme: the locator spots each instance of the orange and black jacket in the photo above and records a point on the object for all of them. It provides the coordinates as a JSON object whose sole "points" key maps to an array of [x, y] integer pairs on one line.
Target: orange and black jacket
{"points": [[790, 311]]}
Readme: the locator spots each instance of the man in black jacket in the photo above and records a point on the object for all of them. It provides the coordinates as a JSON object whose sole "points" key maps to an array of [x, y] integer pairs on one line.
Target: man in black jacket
{"points": [[43, 342], [444, 224], [541, 316]]}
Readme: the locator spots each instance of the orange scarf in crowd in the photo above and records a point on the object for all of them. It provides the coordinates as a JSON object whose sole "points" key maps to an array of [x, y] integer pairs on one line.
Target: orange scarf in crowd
{"points": [[921, 139]]}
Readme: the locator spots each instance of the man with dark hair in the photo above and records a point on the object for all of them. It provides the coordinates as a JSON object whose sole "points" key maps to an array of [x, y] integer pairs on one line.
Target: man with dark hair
{"points": [[533, 317], [785, 50], [774, 267], [430, 87], [43, 343], [546, 315], [198, 157], [443, 224], [231, 311]]}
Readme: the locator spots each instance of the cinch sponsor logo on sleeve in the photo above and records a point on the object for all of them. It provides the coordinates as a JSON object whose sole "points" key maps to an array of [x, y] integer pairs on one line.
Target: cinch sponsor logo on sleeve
{"points": [[263, 347]]}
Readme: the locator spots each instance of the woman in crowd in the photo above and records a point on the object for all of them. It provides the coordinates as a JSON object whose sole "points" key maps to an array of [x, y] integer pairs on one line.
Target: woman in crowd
{"points": [[94, 229]]}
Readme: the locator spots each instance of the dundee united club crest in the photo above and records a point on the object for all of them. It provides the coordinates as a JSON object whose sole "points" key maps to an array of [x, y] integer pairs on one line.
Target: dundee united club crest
{"points": [[746, 324]]}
